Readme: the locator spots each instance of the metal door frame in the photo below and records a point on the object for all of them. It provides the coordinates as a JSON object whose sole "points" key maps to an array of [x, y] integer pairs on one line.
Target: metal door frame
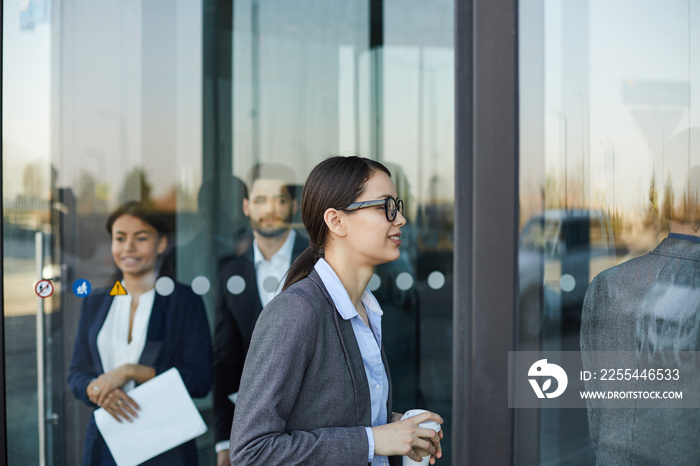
{"points": [[3, 415], [486, 219]]}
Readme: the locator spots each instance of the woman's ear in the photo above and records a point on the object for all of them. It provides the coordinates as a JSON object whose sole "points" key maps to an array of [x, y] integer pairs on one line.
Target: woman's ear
{"points": [[162, 244], [335, 221]]}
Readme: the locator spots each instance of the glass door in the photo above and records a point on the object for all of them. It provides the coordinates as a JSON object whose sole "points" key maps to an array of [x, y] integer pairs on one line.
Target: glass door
{"points": [[170, 104], [608, 144]]}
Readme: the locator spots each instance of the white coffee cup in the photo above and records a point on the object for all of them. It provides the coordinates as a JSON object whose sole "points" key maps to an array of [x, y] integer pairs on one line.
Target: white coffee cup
{"points": [[426, 425]]}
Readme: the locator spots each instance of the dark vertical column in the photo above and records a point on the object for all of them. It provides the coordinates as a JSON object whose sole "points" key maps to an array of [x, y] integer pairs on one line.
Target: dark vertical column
{"points": [[217, 114], [376, 44], [486, 217], [464, 135], [3, 415]]}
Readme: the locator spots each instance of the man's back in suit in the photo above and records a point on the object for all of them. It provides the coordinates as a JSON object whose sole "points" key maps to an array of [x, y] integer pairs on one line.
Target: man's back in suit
{"points": [[651, 303]]}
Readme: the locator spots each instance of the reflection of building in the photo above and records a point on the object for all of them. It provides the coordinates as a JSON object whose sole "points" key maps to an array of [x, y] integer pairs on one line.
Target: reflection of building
{"points": [[28, 212]]}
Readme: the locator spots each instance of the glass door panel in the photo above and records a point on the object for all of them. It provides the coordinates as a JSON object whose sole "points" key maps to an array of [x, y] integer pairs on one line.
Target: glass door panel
{"points": [[313, 79], [109, 103], [608, 111]]}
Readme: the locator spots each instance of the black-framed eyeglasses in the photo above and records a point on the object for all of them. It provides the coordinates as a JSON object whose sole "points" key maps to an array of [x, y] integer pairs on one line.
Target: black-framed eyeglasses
{"points": [[391, 206]]}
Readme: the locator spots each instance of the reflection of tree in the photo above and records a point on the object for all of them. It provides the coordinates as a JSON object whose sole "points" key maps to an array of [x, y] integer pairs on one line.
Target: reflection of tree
{"points": [[653, 209], [136, 187], [689, 210], [576, 192], [168, 201], [667, 204], [86, 186], [552, 192], [685, 210], [617, 221], [33, 181], [186, 198]]}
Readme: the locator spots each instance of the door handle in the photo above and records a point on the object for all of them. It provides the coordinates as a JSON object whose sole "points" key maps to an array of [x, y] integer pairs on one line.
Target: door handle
{"points": [[41, 402]]}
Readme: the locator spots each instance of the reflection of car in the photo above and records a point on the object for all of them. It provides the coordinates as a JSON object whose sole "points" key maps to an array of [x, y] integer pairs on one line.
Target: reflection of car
{"points": [[560, 252]]}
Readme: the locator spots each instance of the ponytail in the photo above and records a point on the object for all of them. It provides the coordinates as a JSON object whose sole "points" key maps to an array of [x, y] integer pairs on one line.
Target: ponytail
{"points": [[302, 266]]}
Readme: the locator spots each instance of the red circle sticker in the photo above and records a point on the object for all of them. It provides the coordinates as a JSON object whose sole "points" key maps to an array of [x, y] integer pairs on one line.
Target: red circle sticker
{"points": [[44, 288]]}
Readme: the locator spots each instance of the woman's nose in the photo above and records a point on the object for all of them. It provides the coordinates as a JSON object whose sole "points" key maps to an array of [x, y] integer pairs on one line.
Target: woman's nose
{"points": [[400, 220]]}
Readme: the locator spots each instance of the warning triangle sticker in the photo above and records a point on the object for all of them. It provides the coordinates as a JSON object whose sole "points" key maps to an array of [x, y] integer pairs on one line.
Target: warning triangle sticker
{"points": [[117, 289]]}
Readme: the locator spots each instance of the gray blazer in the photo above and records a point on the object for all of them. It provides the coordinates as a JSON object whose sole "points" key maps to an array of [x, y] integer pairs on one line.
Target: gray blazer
{"points": [[304, 397], [651, 303]]}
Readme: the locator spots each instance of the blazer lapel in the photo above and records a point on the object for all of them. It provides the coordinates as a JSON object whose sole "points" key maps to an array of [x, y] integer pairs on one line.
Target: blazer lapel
{"points": [[388, 377], [353, 358], [156, 330], [102, 311], [249, 306]]}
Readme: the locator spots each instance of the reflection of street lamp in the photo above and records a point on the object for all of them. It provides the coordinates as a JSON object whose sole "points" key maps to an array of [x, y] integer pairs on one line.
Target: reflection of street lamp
{"points": [[121, 123], [562, 117], [98, 156], [430, 85], [584, 136], [255, 68], [119, 118], [607, 143], [101, 192]]}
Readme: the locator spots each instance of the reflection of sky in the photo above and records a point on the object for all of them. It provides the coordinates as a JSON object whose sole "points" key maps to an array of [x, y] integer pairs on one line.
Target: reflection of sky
{"points": [[315, 87], [128, 90], [419, 122], [633, 42], [26, 97], [127, 84], [592, 50]]}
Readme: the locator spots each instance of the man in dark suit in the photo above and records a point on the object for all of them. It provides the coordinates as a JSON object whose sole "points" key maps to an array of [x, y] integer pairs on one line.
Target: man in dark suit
{"points": [[649, 304], [248, 282]]}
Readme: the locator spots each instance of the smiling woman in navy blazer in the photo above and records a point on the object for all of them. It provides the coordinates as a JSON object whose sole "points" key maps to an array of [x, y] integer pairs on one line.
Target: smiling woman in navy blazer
{"points": [[137, 336]]}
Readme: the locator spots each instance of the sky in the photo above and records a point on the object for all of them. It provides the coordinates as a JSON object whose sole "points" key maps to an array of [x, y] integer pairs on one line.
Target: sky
{"points": [[126, 91], [601, 63], [143, 105]]}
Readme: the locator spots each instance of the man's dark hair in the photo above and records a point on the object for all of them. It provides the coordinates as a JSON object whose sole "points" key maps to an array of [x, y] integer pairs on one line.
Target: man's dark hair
{"points": [[271, 171]]}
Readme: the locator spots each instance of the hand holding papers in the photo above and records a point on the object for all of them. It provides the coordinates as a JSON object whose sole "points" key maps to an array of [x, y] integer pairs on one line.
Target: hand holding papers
{"points": [[167, 418]]}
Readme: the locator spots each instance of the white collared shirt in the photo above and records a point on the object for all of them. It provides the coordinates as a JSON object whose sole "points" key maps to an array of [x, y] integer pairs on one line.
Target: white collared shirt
{"points": [[270, 273], [112, 341], [274, 271], [369, 339]]}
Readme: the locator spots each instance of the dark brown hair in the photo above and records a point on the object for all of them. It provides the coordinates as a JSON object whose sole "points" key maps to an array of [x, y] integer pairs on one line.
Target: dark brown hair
{"points": [[334, 183], [143, 212], [273, 171], [158, 220]]}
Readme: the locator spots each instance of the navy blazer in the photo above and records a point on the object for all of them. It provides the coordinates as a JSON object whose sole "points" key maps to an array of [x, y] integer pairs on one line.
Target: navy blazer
{"points": [[236, 316], [178, 336]]}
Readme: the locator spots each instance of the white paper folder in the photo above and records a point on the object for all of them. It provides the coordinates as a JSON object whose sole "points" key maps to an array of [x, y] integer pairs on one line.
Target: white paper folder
{"points": [[167, 418]]}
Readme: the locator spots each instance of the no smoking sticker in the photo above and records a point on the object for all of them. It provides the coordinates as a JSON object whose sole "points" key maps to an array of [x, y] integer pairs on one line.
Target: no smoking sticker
{"points": [[44, 288]]}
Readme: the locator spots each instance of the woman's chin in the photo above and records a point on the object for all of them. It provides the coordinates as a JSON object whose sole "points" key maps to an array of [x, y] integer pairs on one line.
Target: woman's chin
{"points": [[390, 258]]}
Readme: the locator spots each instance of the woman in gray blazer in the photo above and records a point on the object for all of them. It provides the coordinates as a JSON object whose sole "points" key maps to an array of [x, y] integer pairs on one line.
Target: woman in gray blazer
{"points": [[316, 387]]}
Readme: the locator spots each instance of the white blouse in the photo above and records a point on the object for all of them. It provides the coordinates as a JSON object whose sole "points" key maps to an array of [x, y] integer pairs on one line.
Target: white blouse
{"points": [[112, 340]]}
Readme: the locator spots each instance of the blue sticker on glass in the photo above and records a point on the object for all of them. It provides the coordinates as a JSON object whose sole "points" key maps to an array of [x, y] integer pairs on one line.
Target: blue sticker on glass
{"points": [[81, 288]]}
